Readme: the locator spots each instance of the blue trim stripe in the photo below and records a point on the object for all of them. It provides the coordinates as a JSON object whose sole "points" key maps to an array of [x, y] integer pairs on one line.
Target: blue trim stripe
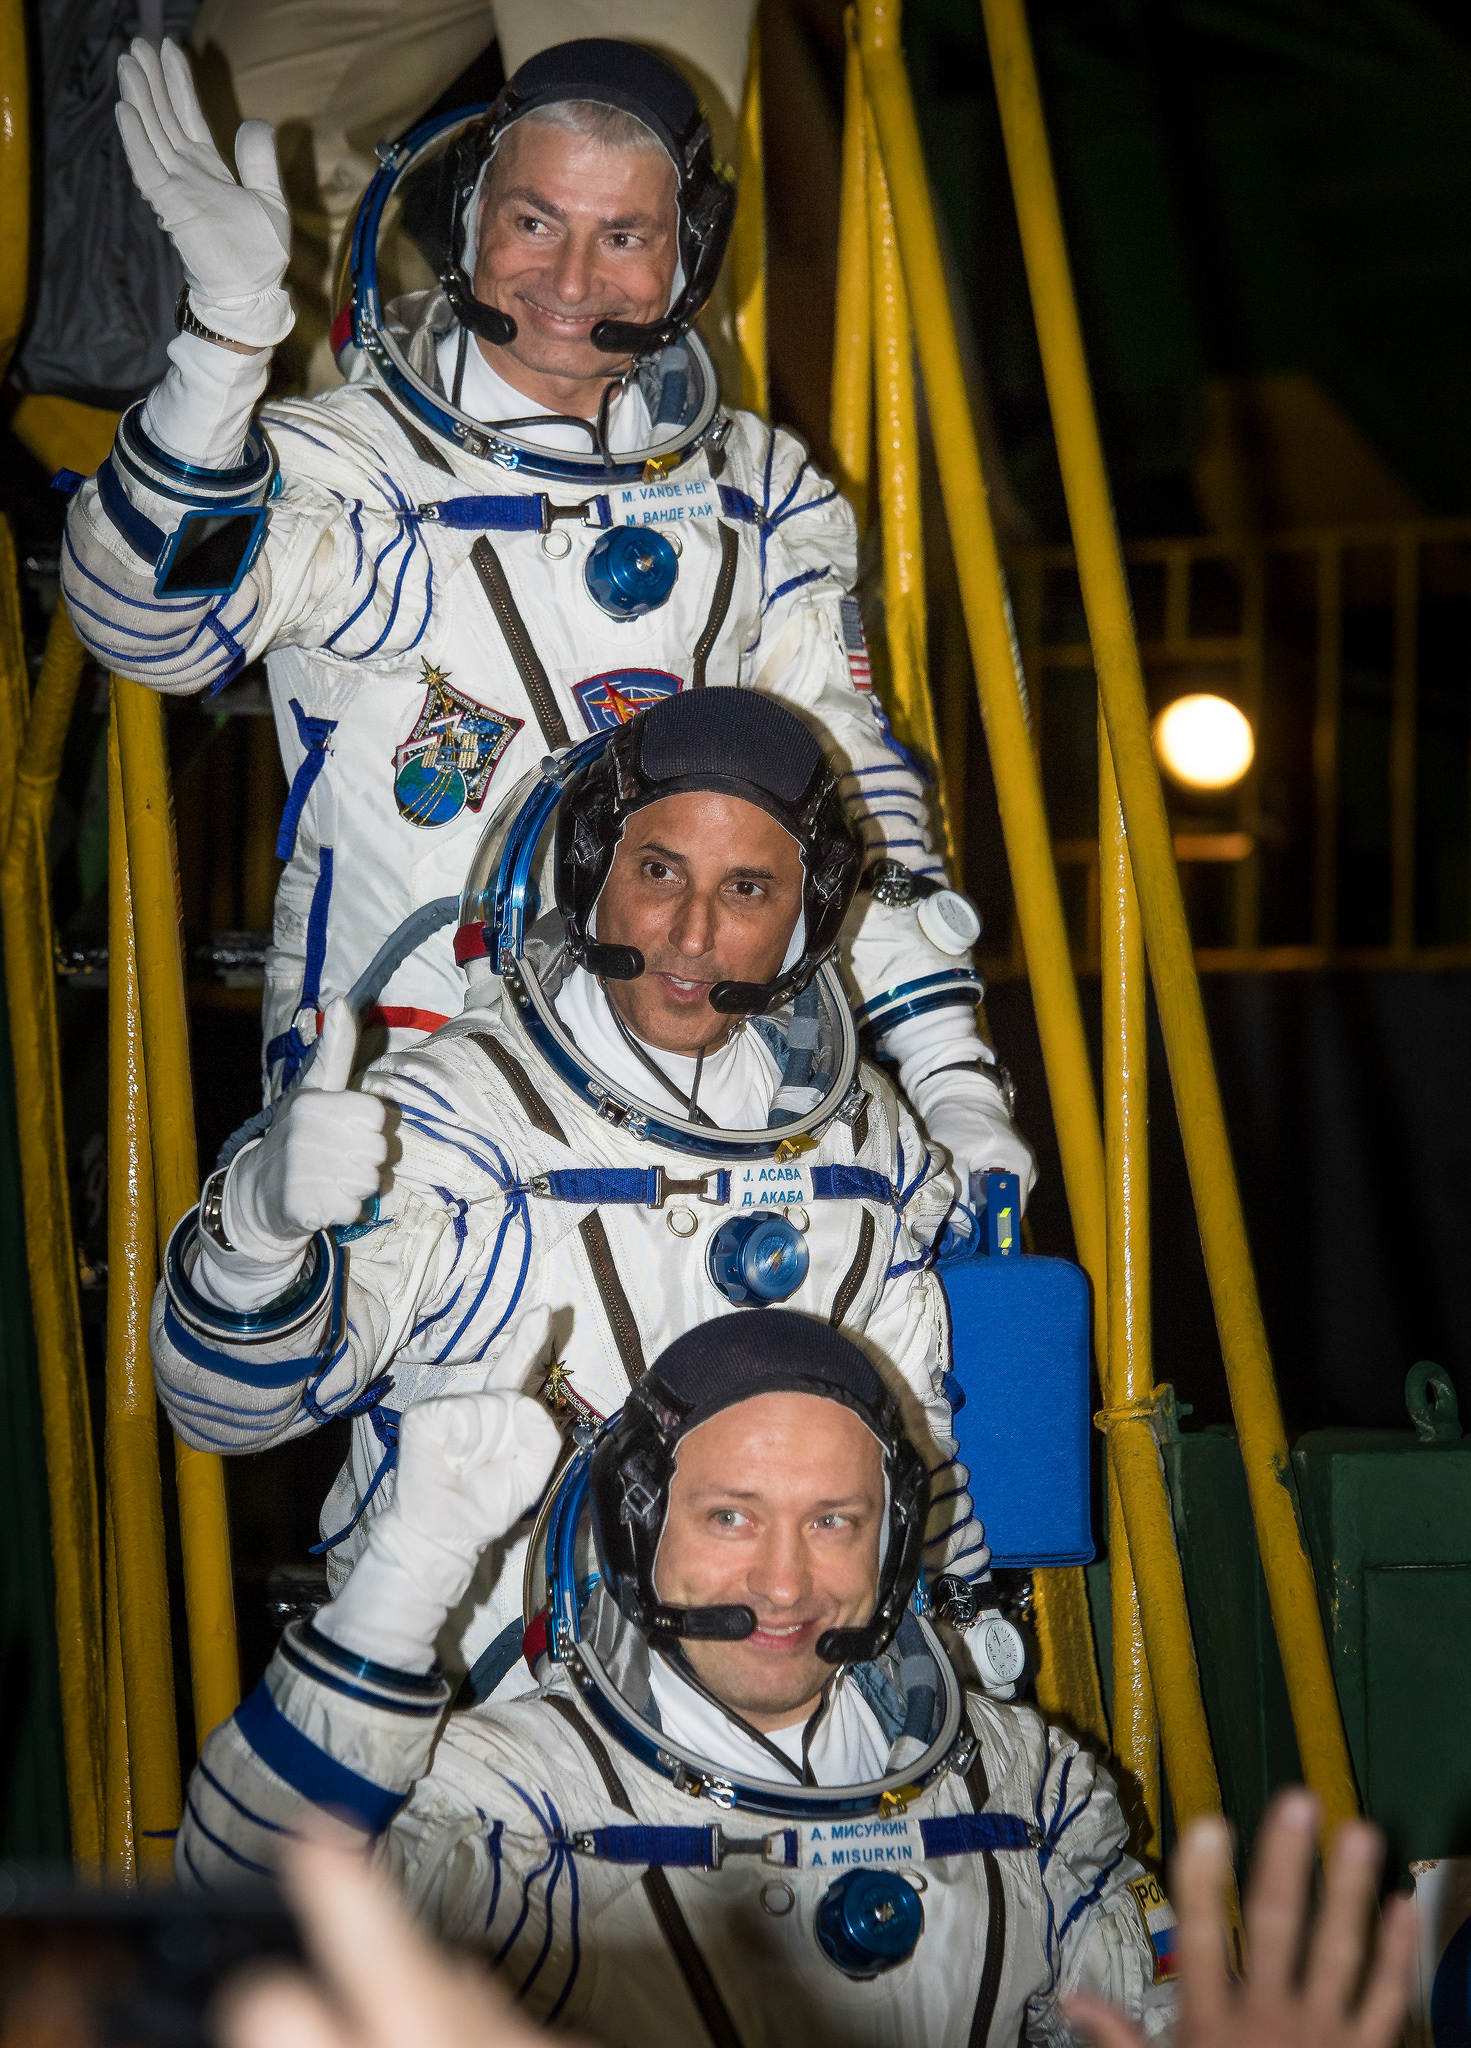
{"points": [[310, 1771], [284, 1372]]}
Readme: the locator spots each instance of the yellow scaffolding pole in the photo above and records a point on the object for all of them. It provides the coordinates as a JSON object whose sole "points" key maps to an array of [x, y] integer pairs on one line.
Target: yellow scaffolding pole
{"points": [[1002, 693], [905, 615], [119, 1847], [748, 242], [15, 176], [1130, 1347], [993, 643], [143, 1707], [1295, 1614], [852, 392], [204, 1528], [31, 745]]}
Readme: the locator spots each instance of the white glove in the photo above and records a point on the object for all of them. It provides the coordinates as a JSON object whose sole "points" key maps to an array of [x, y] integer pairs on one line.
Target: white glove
{"points": [[469, 1466], [317, 1164], [960, 1106], [233, 239]]}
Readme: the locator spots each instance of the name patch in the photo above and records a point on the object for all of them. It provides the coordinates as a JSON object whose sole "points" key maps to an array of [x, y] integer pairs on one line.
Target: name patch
{"points": [[663, 504]]}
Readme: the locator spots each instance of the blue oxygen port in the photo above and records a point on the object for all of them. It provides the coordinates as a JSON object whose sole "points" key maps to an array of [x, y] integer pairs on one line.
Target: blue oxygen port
{"points": [[757, 1258], [630, 571], [869, 1922]]}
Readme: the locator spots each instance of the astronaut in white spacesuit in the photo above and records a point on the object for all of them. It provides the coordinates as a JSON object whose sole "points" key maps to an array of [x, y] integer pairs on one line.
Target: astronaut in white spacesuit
{"points": [[649, 1112], [750, 1801], [526, 515]]}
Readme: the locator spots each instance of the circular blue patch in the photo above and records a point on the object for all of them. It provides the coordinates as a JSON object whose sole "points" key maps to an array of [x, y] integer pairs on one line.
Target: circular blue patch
{"points": [[630, 570], [869, 1921], [429, 796]]}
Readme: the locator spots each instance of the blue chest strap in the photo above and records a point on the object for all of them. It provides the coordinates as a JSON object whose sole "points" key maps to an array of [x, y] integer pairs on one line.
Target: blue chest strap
{"points": [[648, 1187], [536, 512], [707, 1848]]}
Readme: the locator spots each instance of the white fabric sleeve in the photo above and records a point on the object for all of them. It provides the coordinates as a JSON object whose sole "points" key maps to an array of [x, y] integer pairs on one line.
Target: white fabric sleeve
{"points": [[202, 409], [1098, 1940]]}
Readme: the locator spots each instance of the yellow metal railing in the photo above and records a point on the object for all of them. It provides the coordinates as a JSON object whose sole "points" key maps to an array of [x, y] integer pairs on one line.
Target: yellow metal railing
{"points": [[141, 1705], [748, 242], [15, 176], [152, 869], [1298, 1624], [112, 1612], [1155, 1669], [30, 747]]}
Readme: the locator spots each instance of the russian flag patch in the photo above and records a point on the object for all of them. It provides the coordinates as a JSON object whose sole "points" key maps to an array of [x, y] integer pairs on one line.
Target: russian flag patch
{"points": [[1158, 1916]]}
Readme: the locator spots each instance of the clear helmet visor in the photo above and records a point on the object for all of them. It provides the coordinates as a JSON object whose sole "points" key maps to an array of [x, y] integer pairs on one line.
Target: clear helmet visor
{"points": [[510, 892], [563, 1584], [389, 293]]}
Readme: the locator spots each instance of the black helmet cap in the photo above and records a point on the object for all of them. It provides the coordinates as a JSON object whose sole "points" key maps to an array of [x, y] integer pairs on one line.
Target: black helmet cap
{"points": [[711, 1368], [620, 75], [739, 743]]}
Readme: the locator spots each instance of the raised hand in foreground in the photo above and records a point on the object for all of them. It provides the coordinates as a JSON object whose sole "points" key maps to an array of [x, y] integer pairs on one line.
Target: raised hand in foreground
{"points": [[381, 1982], [1301, 1984]]}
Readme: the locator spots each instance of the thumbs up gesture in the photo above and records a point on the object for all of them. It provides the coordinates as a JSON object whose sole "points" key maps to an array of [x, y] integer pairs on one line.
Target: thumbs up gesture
{"points": [[320, 1160]]}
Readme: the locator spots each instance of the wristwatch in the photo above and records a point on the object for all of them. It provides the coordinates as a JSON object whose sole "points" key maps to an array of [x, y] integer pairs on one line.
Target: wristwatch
{"points": [[186, 322], [211, 1202]]}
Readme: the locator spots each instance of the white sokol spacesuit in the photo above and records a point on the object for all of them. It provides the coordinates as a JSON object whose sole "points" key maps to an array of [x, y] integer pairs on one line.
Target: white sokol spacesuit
{"points": [[541, 1159], [444, 594], [904, 1864]]}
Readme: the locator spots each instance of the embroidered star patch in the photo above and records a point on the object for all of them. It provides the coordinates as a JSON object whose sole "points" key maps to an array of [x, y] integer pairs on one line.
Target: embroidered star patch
{"points": [[445, 764]]}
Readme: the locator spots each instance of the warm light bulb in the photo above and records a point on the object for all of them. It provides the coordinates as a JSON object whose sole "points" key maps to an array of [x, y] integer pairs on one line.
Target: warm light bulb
{"points": [[1204, 742]]}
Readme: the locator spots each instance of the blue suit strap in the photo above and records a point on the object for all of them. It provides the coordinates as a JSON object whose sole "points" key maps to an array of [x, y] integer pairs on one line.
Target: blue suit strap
{"points": [[310, 1771], [597, 1184], [738, 505], [314, 734], [973, 1834], [522, 513], [707, 1848], [850, 1184], [316, 932], [677, 1848], [136, 528], [385, 1423]]}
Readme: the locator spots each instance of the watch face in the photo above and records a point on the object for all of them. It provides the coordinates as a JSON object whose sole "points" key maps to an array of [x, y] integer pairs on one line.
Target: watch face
{"points": [[1003, 1650]]}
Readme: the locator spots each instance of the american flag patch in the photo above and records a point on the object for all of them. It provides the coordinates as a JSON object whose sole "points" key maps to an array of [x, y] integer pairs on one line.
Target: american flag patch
{"points": [[855, 646], [1158, 1916]]}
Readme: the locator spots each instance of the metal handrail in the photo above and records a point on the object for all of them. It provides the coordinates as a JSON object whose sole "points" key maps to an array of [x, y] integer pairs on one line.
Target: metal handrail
{"points": [[15, 176], [748, 242], [31, 742], [1317, 1720], [1001, 690], [204, 1529], [144, 1702]]}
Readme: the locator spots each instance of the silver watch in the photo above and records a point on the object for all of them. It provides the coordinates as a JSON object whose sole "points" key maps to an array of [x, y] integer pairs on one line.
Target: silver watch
{"points": [[211, 1203]]}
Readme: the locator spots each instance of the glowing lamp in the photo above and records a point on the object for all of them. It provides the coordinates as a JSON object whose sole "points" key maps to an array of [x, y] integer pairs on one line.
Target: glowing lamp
{"points": [[1204, 742]]}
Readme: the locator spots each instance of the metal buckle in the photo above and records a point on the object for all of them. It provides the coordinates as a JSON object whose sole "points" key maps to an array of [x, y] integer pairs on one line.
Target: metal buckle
{"points": [[582, 511], [665, 1185], [852, 1105]]}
